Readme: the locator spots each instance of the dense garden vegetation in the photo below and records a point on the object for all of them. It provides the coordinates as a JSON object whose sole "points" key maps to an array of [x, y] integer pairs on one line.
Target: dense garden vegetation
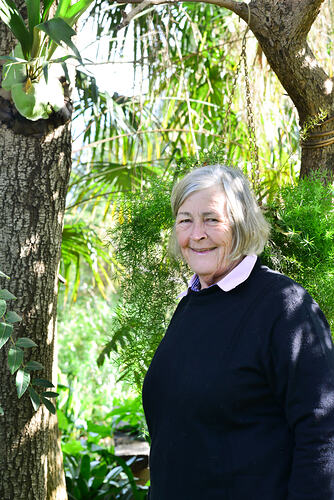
{"points": [[191, 104], [301, 245]]}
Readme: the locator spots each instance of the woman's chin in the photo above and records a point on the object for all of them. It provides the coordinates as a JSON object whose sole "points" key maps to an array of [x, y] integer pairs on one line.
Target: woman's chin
{"points": [[209, 278]]}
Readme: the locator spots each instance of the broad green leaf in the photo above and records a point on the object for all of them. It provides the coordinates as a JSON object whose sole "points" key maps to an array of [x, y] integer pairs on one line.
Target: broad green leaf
{"points": [[34, 17], [1, 412], [62, 8], [12, 317], [33, 365], [63, 422], [42, 382], [3, 307], [25, 342], [50, 394], [85, 467], [5, 294], [15, 358], [59, 31], [76, 10], [49, 405], [5, 333], [34, 397], [72, 447], [27, 104], [102, 430], [12, 18], [39, 100], [36, 43], [3, 275], [101, 475], [22, 382]]}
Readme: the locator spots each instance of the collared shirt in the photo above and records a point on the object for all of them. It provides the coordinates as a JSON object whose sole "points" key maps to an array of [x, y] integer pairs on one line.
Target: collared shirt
{"points": [[238, 275]]}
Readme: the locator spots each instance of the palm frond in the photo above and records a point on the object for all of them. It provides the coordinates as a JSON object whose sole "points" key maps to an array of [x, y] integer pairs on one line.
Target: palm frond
{"points": [[81, 244]]}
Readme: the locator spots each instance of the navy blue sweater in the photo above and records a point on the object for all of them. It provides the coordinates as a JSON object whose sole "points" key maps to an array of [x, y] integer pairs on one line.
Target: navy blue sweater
{"points": [[239, 397]]}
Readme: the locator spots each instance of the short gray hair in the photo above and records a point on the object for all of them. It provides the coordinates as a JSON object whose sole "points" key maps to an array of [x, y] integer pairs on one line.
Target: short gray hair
{"points": [[250, 230]]}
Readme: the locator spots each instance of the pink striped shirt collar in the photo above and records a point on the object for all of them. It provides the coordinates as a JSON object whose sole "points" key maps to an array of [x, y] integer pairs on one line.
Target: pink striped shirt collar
{"points": [[238, 275]]}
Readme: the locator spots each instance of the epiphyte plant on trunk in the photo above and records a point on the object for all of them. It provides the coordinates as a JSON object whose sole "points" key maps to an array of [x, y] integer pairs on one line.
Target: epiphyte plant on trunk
{"points": [[32, 72], [16, 362]]}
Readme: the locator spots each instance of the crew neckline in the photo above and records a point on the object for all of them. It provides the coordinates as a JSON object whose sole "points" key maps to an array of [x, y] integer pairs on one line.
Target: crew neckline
{"points": [[234, 278]]}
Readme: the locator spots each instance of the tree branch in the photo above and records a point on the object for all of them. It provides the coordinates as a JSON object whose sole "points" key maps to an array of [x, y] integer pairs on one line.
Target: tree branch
{"points": [[281, 28], [239, 8]]}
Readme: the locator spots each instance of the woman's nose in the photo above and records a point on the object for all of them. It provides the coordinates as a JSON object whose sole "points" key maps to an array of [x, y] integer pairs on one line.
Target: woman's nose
{"points": [[198, 231]]}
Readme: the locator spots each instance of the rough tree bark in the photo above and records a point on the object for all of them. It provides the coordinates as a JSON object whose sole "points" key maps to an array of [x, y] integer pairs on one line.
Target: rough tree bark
{"points": [[281, 28], [35, 162]]}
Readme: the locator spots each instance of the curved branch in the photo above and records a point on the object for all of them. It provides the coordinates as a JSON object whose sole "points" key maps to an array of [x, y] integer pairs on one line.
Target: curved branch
{"points": [[239, 8], [281, 28]]}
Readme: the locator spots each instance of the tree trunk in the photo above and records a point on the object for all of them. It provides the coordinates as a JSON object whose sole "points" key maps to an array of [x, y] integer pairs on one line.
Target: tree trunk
{"points": [[34, 174], [281, 29]]}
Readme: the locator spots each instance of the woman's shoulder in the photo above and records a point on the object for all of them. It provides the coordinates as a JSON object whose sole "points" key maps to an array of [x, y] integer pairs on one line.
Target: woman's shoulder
{"points": [[285, 307], [277, 285], [279, 294]]}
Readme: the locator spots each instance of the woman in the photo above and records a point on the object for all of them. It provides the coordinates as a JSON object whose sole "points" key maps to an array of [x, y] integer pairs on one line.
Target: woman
{"points": [[239, 397]]}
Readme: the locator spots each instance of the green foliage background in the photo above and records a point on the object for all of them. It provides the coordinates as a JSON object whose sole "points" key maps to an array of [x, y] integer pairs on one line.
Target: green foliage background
{"points": [[149, 282], [302, 239], [130, 141], [300, 245]]}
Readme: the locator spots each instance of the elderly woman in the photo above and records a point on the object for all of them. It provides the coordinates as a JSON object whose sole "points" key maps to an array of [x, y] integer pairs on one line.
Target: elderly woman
{"points": [[239, 397]]}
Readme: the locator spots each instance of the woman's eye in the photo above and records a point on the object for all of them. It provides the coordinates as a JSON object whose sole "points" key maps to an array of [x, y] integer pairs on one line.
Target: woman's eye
{"points": [[182, 221], [211, 219]]}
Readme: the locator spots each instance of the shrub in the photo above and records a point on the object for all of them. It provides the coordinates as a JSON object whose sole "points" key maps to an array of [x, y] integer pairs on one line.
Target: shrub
{"points": [[150, 282], [301, 246], [92, 469], [94, 472], [302, 239]]}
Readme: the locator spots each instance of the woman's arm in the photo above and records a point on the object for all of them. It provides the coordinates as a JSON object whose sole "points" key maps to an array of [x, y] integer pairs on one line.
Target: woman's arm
{"points": [[302, 373]]}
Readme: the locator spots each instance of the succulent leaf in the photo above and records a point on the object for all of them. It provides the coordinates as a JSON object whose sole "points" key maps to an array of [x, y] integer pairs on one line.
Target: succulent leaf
{"points": [[38, 99]]}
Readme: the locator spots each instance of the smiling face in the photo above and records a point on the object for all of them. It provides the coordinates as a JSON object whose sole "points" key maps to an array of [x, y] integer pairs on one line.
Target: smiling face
{"points": [[204, 235]]}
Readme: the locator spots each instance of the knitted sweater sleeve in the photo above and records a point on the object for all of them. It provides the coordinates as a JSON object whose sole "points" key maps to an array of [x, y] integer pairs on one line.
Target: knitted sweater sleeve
{"points": [[301, 367]]}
